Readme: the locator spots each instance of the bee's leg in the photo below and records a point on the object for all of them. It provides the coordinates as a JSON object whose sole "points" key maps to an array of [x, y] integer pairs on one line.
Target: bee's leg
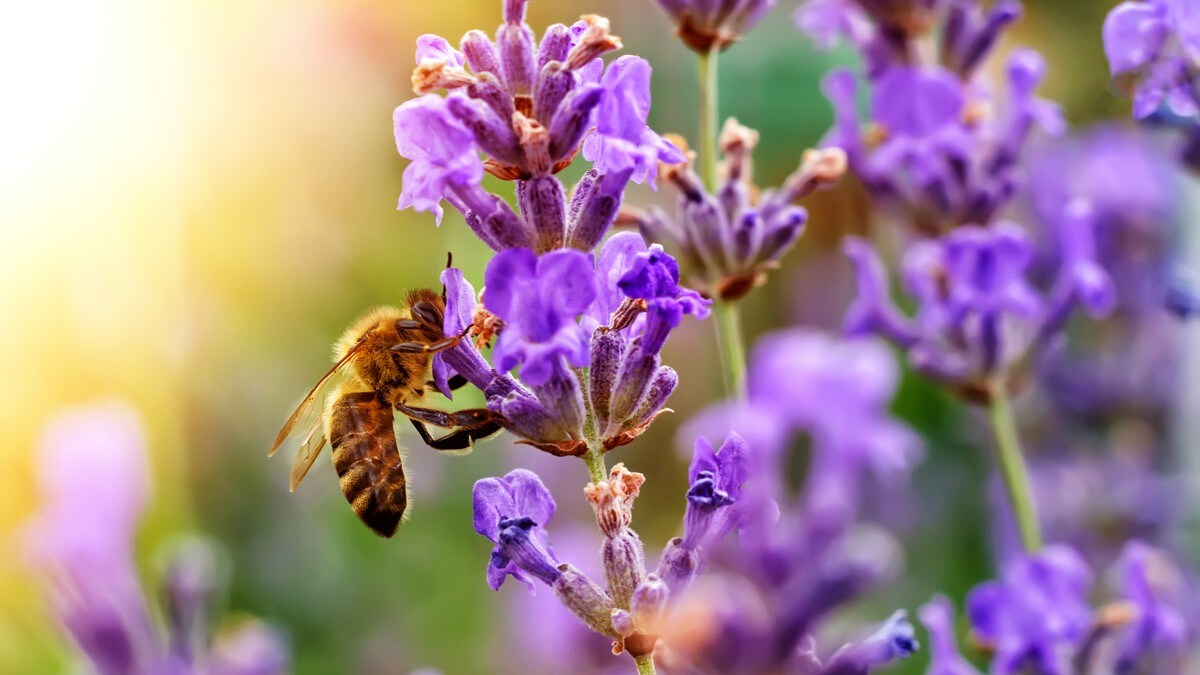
{"points": [[461, 439], [432, 347], [470, 418]]}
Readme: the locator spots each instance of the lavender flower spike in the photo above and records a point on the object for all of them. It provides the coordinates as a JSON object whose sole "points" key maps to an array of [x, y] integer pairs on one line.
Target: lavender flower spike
{"points": [[512, 512], [705, 26]]}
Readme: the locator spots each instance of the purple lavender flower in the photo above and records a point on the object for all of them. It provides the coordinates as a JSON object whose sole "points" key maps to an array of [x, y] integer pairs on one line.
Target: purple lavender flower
{"points": [[977, 313], [528, 107], [940, 145], [539, 300], [1152, 584], [714, 484], [623, 141], [705, 26], [630, 301], [95, 484], [443, 153], [1037, 614], [944, 659], [894, 640], [731, 239], [512, 512], [1153, 47]]}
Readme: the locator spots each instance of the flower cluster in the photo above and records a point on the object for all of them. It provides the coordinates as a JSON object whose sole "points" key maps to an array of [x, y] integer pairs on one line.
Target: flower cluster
{"points": [[729, 240], [95, 485], [528, 106], [1153, 49], [1037, 616], [586, 335], [940, 144], [978, 316], [798, 557]]}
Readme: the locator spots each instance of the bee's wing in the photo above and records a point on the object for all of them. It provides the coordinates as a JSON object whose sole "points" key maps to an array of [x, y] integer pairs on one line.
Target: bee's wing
{"points": [[307, 425]]}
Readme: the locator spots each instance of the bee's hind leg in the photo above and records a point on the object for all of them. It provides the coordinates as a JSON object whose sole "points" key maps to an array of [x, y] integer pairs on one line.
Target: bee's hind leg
{"points": [[462, 439], [467, 425]]}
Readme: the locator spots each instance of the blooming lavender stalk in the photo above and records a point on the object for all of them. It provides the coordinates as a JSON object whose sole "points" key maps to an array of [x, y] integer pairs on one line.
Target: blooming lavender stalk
{"points": [[95, 485], [586, 337], [528, 107]]}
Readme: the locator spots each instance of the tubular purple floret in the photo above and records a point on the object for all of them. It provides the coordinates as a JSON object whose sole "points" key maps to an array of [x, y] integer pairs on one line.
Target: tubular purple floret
{"points": [[678, 566], [515, 45], [551, 89], [481, 53], [542, 202], [493, 134], [573, 120], [555, 45], [599, 209], [607, 350]]}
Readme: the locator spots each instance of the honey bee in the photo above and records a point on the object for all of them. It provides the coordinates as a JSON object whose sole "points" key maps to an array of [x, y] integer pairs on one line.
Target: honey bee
{"points": [[382, 363]]}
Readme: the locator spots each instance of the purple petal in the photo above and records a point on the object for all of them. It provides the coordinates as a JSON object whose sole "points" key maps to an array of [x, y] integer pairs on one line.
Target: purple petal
{"points": [[1134, 34]]}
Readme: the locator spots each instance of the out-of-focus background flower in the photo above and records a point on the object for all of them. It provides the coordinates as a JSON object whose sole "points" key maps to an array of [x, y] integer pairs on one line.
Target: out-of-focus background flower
{"points": [[197, 197]]}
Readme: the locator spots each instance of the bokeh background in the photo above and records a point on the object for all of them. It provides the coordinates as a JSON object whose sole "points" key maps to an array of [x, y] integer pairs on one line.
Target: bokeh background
{"points": [[197, 197]]}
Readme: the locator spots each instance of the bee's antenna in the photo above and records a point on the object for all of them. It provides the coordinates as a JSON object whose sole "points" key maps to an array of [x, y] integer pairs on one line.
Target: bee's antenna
{"points": [[449, 264]]}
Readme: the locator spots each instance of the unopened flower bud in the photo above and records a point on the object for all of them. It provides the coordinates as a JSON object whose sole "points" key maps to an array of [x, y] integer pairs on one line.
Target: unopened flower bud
{"points": [[678, 566], [649, 603], [624, 565], [584, 598]]}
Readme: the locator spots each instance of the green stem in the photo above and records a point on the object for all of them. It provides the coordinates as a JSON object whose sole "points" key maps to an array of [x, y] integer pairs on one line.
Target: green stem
{"points": [[706, 147], [728, 317], [1012, 468], [595, 462], [645, 664]]}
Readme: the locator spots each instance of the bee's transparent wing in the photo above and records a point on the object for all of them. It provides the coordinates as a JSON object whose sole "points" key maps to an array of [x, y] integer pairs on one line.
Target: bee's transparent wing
{"points": [[306, 424]]}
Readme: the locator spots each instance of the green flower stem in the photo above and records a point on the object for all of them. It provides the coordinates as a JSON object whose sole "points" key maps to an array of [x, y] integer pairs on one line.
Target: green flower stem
{"points": [[706, 146], [595, 462], [645, 664], [1013, 469], [728, 318]]}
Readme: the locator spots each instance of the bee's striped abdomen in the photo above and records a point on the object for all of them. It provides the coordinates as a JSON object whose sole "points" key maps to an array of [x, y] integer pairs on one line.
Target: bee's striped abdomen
{"points": [[367, 460]]}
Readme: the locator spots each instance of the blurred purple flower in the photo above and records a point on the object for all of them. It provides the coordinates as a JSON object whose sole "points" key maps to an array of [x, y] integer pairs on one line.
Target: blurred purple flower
{"points": [[894, 640], [939, 143], [93, 475], [944, 659], [1150, 581], [1152, 48], [705, 26], [1036, 614], [797, 557], [512, 513]]}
